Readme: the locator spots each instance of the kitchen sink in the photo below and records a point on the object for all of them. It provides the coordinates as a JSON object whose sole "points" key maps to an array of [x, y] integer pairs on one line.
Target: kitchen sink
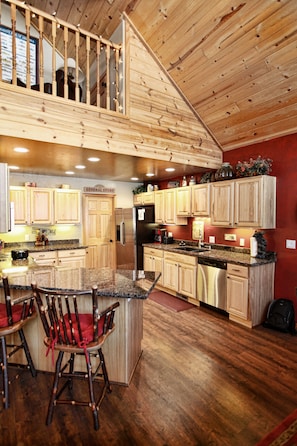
{"points": [[192, 248]]}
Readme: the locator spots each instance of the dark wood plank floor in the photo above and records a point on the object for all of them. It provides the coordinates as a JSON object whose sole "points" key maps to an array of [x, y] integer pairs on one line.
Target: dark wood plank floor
{"points": [[201, 381]]}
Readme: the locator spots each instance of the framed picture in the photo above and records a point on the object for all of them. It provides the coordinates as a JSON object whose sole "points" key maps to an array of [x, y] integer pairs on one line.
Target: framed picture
{"points": [[21, 60]]}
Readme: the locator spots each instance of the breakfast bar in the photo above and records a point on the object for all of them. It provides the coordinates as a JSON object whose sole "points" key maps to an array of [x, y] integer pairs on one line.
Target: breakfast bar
{"points": [[130, 288]]}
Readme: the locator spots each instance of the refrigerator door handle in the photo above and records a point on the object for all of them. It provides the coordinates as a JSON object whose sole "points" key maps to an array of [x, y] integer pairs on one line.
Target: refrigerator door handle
{"points": [[122, 233]]}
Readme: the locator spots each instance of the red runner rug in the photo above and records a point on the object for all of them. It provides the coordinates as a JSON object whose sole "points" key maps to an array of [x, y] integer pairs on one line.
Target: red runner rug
{"points": [[168, 301], [285, 434]]}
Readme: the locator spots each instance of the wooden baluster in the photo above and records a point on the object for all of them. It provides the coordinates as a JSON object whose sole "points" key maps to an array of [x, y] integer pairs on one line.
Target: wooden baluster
{"points": [[28, 67], [77, 90], [13, 43], [98, 49], [107, 52], [117, 91], [40, 48], [54, 80], [65, 62], [88, 96]]}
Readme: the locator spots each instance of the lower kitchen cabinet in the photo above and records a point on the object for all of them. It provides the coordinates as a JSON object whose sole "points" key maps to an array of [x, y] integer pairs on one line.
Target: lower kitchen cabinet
{"points": [[180, 273], [75, 258], [45, 258], [249, 293], [153, 261]]}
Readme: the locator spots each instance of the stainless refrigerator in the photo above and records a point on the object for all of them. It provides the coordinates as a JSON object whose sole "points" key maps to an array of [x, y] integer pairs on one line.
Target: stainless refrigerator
{"points": [[134, 226]]}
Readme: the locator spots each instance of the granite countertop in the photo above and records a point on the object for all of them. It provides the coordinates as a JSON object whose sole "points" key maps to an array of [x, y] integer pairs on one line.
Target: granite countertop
{"points": [[237, 256], [55, 245]]}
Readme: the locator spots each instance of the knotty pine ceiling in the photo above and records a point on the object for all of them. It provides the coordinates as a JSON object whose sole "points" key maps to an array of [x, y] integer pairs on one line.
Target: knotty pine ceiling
{"points": [[234, 60]]}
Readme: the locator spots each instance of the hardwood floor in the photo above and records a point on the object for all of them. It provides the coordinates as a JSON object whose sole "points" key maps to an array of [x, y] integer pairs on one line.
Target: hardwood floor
{"points": [[201, 380]]}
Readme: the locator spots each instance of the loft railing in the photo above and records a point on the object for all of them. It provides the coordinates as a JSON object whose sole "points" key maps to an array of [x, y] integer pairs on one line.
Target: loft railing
{"points": [[37, 49]]}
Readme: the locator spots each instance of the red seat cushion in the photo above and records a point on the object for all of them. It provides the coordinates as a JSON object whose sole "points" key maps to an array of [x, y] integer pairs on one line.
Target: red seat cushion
{"points": [[16, 314], [86, 325]]}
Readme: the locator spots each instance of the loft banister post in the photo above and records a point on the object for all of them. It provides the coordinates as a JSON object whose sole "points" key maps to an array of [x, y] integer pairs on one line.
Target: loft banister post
{"points": [[117, 92], [65, 36], [28, 68], [40, 50], [54, 68], [77, 89], [13, 49], [107, 52], [98, 49], [88, 47]]}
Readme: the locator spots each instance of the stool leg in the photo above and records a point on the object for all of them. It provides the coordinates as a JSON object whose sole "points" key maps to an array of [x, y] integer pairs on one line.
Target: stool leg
{"points": [[27, 353], [104, 370], [91, 391], [5, 373], [51, 405]]}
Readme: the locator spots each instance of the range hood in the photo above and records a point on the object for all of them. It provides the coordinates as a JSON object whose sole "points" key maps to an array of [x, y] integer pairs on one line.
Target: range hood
{"points": [[5, 221]]}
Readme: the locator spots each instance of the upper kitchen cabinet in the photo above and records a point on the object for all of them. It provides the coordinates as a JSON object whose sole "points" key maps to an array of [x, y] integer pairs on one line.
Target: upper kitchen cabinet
{"points": [[166, 209], [19, 196], [67, 205], [200, 200], [246, 202], [41, 206], [183, 201], [144, 198]]}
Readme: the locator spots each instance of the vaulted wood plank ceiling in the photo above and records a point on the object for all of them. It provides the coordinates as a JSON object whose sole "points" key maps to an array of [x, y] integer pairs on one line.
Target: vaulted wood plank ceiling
{"points": [[235, 60]]}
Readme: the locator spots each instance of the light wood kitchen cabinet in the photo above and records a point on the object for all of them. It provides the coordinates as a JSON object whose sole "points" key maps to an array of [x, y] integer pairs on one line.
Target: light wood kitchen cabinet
{"points": [[44, 258], [41, 206], [43, 277], [67, 204], [183, 201], [75, 258], [180, 274], [249, 293], [144, 198], [19, 196], [246, 202], [200, 200], [153, 261], [165, 208]]}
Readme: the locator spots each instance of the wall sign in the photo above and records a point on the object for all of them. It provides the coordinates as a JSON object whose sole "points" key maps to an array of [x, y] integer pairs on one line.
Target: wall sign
{"points": [[21, 60]]}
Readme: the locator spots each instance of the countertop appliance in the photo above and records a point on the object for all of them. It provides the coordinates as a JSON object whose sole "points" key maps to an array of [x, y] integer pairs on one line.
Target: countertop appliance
{"points": [[134, 226], [211, 286]]}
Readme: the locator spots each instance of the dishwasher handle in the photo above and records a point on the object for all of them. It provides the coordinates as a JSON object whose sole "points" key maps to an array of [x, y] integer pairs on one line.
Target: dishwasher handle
{"points": [[215, 263]]}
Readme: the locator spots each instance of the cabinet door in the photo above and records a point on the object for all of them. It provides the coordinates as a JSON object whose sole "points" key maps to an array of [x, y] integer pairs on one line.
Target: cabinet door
{"points": [[159, 206], [200, 201], [222, 203], [183, 201], [170, 274], [237, 296], [41, 205], [19, 196], [187, 280], [74, 258], [170, 206], [67, 206], [247, 212], [43, 277], [153, 262]]}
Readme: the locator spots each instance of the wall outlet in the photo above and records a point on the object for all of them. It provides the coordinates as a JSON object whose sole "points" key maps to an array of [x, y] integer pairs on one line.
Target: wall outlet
{"points": [[291, 244], [230, 237], [212, 239], [241, 242]]}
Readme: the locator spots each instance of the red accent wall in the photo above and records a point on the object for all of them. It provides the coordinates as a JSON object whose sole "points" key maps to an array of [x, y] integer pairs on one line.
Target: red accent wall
{"points": [[283, 152]]}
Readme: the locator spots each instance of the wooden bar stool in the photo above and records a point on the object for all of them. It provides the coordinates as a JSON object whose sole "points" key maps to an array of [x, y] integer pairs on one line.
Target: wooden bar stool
{"points": [[69, 331], [14, 315]]}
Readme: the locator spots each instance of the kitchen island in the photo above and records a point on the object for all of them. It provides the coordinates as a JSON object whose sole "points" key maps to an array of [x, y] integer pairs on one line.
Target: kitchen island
{"points": [[122, 350]]}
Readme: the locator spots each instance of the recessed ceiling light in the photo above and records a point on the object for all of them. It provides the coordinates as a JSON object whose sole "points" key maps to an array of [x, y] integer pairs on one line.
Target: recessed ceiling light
{"points": [[80, 166], [13, 167], [93, 159], [69, 172], [170, 169], [134, 179], [150, 174], [21, 149]]}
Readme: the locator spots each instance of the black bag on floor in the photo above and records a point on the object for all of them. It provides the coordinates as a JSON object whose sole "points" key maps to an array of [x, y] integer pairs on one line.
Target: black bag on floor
{"points": [[281, 316]]}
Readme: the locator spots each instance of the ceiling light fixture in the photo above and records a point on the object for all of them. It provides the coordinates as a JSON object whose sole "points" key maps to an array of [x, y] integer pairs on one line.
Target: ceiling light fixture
{"points": [[13, 167], [21, 149], [150, 174], [80, 166], [93, 159], [134, 179], [69, 172], [170, 169]]}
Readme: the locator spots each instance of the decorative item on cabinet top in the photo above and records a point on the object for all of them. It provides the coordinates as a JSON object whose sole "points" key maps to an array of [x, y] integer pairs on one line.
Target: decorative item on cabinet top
{"points": [[225, 172], [259, 166]]}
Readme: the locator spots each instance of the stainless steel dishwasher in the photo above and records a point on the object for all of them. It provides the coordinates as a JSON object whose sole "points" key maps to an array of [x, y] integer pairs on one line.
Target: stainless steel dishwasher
{"points": [[212, 286]]}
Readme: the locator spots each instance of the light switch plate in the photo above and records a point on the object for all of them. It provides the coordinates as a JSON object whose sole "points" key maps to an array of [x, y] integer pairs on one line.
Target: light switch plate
{"points": [[291, 244], [212, 239]]}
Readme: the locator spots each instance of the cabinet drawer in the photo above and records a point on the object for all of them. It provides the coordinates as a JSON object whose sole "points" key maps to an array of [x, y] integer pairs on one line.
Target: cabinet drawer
{"points": [[153, 252], [71, 253], [237, 270], [49, 255], [180, 258]]}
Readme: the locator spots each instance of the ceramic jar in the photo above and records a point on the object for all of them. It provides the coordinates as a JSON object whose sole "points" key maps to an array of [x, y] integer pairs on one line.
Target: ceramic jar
{"points": [[225, 172]]}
